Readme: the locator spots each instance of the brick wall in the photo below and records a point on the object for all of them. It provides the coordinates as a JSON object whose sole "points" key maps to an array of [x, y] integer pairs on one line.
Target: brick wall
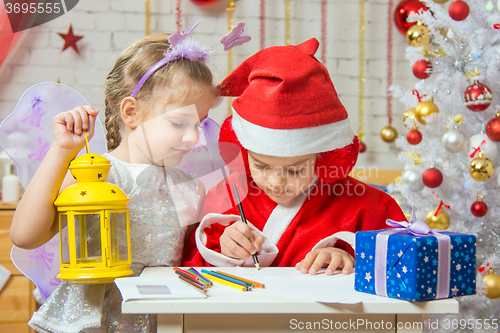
{"points": [[108, 26]]}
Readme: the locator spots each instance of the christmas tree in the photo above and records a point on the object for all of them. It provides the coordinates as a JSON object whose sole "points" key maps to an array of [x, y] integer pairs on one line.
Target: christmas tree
{"points": [[450, 150]]}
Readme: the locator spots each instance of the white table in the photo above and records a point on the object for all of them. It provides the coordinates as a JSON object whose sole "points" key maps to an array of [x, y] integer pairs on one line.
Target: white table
{"points": [[222, 312]]}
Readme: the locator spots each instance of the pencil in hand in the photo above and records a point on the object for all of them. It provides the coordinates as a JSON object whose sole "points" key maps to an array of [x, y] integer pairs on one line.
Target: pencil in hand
{"points": [[244, 220]]}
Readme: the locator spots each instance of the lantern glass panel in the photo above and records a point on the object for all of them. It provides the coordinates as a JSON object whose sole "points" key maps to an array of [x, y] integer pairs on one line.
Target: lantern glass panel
{"points": [[88, 238], [64, 238], [118, 231]]}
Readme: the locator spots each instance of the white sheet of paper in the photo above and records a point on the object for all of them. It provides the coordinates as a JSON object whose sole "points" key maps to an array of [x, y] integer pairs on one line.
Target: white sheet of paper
{"points": [[156, 287], [287, 282], [4, 276]]}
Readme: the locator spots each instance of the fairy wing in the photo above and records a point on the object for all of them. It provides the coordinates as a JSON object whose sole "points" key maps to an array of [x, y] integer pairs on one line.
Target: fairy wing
{"points": [[40, 265], [26, 134], [203, 162]]}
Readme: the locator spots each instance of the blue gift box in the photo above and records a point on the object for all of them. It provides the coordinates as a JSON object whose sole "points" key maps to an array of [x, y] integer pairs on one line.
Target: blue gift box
{"points": [[415, 268]]}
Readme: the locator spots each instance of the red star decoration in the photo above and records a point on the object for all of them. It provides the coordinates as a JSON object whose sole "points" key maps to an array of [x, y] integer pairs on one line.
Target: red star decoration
{"points": [[70, 39]]}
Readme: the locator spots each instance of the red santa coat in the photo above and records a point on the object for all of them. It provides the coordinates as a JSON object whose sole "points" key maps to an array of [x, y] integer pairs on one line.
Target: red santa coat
{"points": [[345, 205]]}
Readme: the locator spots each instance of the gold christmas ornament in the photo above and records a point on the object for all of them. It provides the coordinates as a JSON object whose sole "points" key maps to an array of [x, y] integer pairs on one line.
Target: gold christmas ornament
{"points": [[440, 1], [458, 119], [481, 168], [418, 35], [425, 109], [415, 156], [410, 113], [388, 134], [492, 284], [472, 76], [440, 221]]}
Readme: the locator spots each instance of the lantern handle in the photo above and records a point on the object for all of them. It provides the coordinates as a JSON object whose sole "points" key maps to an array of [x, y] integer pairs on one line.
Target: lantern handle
{"points": [[86, 142]]}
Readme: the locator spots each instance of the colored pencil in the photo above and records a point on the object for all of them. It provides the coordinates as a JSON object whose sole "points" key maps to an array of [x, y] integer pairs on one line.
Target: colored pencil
{"points": [[198, 283], [180, 273], [256, 284], [194, 271], [192, 283], [242, 214], [202, 280], [227, 278], [186, 273], [224, 282]]}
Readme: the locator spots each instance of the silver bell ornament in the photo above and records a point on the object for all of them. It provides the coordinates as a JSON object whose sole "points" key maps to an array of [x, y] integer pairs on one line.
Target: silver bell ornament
{"points": [[454, 140], [412, 180]]}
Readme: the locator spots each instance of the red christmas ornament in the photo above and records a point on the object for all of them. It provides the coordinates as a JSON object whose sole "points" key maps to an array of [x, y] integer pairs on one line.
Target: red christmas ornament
{"points": [[405, 9], [414, 137], [205, 3], [479, 208], [432, 177], [477, 97], [362, 147], [70, 39], [422, 69], [493, 128], [459, 10]]}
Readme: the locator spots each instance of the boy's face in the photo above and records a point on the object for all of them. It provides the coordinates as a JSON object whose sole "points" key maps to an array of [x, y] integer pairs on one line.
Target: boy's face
{"points": [[282, 178]]}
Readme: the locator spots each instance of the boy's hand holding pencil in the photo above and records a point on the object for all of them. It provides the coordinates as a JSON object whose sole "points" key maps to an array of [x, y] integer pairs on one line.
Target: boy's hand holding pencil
{"points": [[239, 242]]}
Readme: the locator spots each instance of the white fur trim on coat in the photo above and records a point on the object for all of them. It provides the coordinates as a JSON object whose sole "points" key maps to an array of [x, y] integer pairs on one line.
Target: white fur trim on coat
{"points": [[346, 236], [283, 214], [268, 251]]}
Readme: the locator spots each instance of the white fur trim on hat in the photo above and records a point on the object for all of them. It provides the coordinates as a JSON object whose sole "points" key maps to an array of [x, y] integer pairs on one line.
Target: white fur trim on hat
{"points": [[292, 142]]}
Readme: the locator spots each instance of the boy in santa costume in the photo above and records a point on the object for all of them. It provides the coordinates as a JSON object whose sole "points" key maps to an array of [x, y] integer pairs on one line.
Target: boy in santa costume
{"points": [[298, 148]]}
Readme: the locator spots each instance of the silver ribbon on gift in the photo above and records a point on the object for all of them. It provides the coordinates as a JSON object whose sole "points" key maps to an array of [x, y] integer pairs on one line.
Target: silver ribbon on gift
{"points": [[417, 228]]}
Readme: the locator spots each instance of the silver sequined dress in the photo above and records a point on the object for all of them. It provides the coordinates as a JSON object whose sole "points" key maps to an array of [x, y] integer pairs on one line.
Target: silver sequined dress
{"points": [[160, 210]]}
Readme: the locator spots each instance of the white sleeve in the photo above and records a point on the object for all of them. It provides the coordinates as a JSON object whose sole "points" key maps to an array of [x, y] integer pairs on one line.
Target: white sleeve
{"points": [[268, 251], [346, 236]]}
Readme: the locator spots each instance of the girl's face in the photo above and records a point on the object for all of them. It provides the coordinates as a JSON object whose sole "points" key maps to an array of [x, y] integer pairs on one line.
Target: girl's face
{"points": [[169, 132], [282, 178]]}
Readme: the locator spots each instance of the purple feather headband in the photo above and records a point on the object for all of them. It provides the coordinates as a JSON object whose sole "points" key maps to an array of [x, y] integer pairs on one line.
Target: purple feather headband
{"points": [[182, 47]]}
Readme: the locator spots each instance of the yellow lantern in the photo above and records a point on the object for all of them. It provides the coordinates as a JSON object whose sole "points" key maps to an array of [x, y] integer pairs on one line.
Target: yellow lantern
{"points": [[94, 226]]}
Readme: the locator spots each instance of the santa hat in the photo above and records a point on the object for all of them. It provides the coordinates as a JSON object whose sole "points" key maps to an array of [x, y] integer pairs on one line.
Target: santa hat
{"points": [[288, 106]]}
